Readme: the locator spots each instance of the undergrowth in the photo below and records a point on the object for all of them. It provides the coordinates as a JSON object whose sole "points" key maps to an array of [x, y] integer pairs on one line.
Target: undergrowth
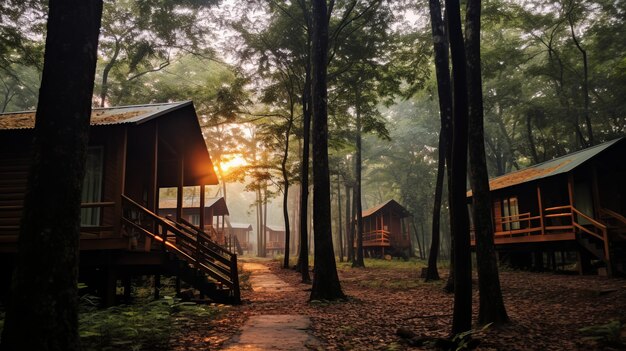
{"points": [[140, 326]]}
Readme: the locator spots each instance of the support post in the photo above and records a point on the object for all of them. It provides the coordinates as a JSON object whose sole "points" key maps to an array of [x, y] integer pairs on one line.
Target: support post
{"points": [[541, 220]]}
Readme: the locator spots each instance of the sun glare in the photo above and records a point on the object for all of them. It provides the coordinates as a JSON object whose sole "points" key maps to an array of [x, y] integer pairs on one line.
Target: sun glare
{"points": [[233, 162]]}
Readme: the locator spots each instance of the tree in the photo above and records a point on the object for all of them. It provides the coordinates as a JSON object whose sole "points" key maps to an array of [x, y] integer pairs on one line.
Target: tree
{"points": [[43, 314], [444, 90], [326, 284], [462, 318], [491, 305]]}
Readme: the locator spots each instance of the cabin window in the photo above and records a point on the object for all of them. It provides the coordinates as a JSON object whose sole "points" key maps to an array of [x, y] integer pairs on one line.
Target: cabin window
{"points": [[92, 187], [195, 219], [510, 212]]}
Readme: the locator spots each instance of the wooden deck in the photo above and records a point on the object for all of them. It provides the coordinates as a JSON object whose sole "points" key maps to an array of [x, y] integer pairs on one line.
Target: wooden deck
{"points": [[376, 238], [561, 223]]}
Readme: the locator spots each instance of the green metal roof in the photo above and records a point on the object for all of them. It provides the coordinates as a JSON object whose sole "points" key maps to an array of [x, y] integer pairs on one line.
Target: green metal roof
{"points": [[563, 164]]}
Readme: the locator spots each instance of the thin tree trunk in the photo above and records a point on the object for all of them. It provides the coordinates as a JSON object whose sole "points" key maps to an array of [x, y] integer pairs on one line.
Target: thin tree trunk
{"points": [[349, 226], [283, 167], [491, 304], [358, 262], [303, 256], [444, 89], [583, 52], [339, 219], [462, 317], [326, 284], [43, 310]]}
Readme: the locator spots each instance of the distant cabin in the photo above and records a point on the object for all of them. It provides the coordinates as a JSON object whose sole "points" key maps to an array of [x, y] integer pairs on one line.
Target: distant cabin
{"points": [[133, 152], [240, 233], [274, 239], [385, 229], [215, 212], [574, 203]]}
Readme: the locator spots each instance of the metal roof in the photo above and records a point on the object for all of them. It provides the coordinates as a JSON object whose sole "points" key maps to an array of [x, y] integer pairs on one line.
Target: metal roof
{"points": [[235, 225], [395, 206], [550, 168], [274, 228], [218, 204], [135, 114]]}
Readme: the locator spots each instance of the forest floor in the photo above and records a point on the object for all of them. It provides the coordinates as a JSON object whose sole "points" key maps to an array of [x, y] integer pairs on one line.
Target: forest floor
{"points": [[547, 311]]}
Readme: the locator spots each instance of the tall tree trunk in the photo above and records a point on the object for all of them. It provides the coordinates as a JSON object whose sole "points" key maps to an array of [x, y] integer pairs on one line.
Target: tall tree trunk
{"points": [[462, 318], [349, 226], [444, 89], [583, 52], [283, 167], [303, 256], [339, 219], [326, 284], [43, 312], [358, 262], [491, 304], [264, 219]]}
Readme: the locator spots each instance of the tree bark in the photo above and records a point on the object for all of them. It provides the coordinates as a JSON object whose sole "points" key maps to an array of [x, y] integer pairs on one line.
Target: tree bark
{"points": [[326, 284], [444, 89], [462, 318], [43, 312], [358, 262], [583, 52], [349, 226], [491, 304], [283, 167], [303, 257], [341, 253]]}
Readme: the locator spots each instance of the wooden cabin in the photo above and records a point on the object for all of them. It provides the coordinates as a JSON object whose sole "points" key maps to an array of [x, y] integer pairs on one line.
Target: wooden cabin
{"points": [[215, 212], [133, 151], [386, 230], [239, 234], [274, 239], [574, 203]]}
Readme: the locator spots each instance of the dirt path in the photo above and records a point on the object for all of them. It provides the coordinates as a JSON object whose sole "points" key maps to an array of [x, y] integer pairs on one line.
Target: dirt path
{"points": [[277, 332]]}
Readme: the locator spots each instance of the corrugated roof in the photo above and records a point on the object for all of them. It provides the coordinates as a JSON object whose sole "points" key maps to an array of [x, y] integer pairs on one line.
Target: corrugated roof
{"points": [[550, 168], [393, 203], [235, 225], [99, 116], [275, 228], [218, 203]]}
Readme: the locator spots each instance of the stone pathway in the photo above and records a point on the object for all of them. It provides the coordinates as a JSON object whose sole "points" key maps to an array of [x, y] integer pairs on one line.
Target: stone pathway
{"points": [[283, 332]]}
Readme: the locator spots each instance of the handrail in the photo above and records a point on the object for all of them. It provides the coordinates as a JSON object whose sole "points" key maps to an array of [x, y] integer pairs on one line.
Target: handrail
{"points": [[593, 221], [196, 247], [614, 215]]}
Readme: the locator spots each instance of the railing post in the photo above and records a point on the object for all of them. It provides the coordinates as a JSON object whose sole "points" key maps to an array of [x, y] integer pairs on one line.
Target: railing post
{"points": [[234, 276], [607, 252]]}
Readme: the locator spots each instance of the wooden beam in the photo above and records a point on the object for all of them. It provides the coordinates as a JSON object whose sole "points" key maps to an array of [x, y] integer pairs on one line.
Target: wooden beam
{"points": [[122, 155], [202, 204], [180, 190], [570, 191], [541, 223]]}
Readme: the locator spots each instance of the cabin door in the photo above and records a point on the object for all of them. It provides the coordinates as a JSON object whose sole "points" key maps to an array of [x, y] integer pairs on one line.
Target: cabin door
{"points": [[583, 201]]}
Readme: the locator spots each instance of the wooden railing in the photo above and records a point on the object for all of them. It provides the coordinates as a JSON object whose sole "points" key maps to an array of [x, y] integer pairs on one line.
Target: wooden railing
{"points": [[12, 229], [524, 222], [100, 228], [376, 238], [186, 241], [614, 216], [275, 245]]}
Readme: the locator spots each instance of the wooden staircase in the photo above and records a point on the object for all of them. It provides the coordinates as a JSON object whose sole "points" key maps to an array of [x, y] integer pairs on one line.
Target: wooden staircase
{"points": [[204, 264]]}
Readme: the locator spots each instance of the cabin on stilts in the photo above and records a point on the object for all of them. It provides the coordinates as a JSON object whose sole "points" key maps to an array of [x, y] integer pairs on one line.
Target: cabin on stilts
{"points": [[239, 234], [274, 239], [133, 152], [215, 212], [386, 230], [573, 205]]}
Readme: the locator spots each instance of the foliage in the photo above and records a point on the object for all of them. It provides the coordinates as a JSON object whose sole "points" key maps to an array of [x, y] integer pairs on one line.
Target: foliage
{"points": [[141, 326], [610, 334]]}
